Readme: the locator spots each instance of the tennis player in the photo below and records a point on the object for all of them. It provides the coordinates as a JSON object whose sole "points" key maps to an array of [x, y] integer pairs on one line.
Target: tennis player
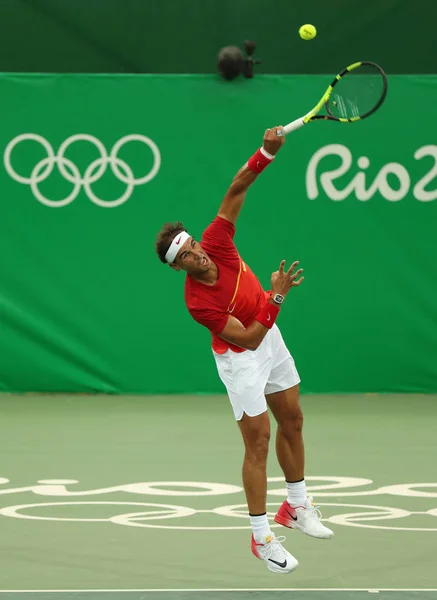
{"points": [[253, 362]]}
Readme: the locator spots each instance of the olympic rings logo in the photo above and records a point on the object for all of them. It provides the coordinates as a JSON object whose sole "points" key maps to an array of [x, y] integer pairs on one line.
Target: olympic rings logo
{"points": [[70, 506], [95, 170]]}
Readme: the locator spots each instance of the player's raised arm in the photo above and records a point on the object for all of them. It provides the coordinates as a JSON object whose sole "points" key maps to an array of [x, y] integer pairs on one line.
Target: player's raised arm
{"points": [[233, 201]]}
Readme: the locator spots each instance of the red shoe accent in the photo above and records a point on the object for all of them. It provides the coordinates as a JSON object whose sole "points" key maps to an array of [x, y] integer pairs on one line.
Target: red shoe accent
{"points": [[254, 545], [286, 515]]}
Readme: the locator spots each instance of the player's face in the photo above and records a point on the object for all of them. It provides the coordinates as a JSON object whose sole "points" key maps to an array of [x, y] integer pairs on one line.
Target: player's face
{"points": [[192, 258]]}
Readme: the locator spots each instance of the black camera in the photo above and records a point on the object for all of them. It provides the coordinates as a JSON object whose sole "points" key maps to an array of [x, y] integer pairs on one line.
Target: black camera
{"points": [[231, 62]]}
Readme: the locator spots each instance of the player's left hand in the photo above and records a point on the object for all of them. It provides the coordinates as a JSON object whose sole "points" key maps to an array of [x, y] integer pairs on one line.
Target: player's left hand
{"points": [[274, 138]]}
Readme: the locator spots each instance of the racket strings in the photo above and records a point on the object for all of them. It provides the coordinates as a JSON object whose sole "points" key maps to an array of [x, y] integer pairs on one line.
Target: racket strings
{"points": [[357, 93]]}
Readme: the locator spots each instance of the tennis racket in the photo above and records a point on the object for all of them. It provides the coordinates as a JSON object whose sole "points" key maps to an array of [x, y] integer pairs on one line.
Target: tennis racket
{"points": [[356, 93]]}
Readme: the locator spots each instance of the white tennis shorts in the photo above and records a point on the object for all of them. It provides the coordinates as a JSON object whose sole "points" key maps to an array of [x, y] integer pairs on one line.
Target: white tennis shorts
{"points": [[248, 376]]}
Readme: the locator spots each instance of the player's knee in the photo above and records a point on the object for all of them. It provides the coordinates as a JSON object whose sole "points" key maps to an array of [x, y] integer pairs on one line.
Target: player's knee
{"points": [[258, 447], [297, 421], [293, 424]]}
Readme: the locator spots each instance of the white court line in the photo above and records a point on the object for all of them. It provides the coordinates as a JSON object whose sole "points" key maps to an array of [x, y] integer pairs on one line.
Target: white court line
{"points": [[112, 591]]}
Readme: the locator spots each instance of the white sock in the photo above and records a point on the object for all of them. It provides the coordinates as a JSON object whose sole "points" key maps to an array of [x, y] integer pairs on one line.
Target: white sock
{"points": [[260, 527], [297, 493]]}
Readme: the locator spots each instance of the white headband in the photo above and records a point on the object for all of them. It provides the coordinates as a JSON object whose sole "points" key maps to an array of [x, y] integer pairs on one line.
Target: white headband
{"points": [[176, 245]]}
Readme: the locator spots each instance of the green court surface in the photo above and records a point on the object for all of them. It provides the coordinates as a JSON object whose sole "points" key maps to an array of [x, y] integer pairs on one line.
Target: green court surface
{"points": [[295, 593], [110, 497]]}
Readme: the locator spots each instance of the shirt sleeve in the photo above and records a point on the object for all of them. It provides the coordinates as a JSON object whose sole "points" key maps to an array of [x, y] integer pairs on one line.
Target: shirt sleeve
{"points": [[212, 320], [219, 234]]}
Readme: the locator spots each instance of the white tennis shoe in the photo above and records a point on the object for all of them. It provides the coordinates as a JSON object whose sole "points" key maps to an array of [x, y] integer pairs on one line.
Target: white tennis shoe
{"points": [[306, 518], [274, 554]]}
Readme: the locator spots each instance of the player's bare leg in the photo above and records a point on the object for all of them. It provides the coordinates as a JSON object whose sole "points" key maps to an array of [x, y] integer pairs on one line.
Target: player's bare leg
{"points": [[290, 448], [298, 511], [256, 437], [265, 545]]}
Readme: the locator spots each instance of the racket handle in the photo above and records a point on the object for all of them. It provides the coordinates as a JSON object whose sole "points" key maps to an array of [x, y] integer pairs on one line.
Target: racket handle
{"points": [[294, 125]]}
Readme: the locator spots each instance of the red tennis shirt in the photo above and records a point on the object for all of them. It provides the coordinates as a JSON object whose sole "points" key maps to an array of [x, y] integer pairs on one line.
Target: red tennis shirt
{"points": [[237, 291]]}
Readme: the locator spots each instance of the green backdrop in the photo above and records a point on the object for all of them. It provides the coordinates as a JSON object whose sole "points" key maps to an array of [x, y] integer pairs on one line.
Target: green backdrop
{"points": [[181, 36], [87, 306]]}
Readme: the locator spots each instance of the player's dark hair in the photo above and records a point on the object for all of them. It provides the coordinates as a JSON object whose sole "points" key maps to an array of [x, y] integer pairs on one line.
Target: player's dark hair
{"points": [[165, 237]]}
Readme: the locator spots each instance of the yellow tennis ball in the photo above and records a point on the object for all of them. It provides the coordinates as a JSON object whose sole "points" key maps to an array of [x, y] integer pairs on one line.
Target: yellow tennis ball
{"points": [[307, 32]]}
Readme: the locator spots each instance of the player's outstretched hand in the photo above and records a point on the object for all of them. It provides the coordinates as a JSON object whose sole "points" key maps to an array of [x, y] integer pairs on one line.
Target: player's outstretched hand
{"points": [[283, 281], [273, 139]]}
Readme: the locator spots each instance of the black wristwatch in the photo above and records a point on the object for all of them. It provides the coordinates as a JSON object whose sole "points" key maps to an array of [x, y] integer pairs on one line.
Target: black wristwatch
{"points": [[278, 298]]}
